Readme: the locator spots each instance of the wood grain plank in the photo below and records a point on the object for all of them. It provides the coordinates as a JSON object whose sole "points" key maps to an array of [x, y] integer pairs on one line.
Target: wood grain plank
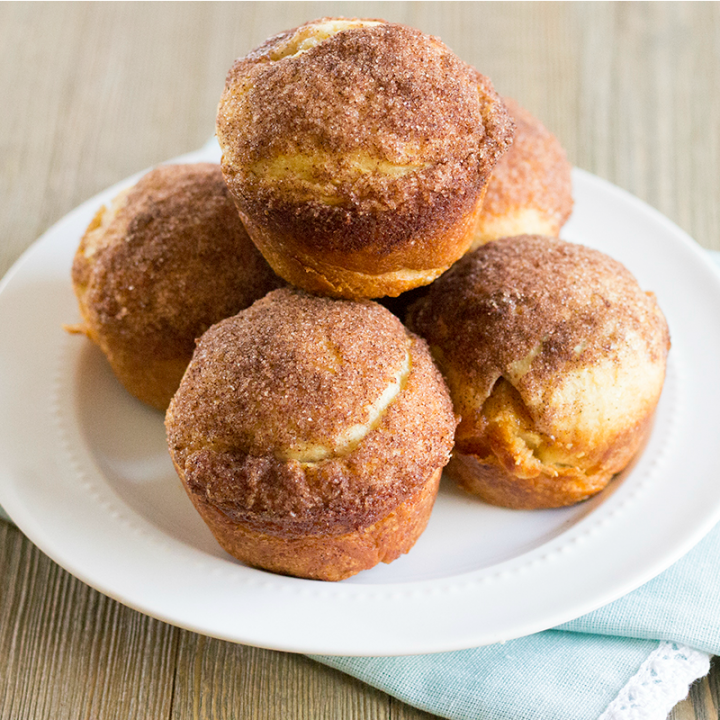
{"points": [[714, 683], [702, 699], [699, 704], [684, 710], [66, 651], [217, 680], [401, 711]]}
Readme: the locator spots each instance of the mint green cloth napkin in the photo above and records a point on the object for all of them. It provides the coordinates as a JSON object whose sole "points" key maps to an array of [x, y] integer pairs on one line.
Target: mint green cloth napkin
{"points": [[630, 660]]}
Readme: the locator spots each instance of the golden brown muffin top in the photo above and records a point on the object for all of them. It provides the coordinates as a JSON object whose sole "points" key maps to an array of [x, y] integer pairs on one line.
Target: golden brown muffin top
{"points": [[534, 172], [356, 113], [532, 309], [167, 260], [305, 414]]}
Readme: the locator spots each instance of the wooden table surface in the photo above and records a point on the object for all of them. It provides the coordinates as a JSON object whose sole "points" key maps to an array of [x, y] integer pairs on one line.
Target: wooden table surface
{"points": [[91, 93]]}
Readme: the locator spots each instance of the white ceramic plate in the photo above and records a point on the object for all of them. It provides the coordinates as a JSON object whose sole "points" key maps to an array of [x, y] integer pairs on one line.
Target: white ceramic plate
{"points": [[85, 474]]}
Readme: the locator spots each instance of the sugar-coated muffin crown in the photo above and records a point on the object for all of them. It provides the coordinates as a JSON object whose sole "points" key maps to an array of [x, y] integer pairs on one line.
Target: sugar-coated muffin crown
{"points": [[358, 153], [567, 326], [303, 412], [347, 118], [158, 266]]}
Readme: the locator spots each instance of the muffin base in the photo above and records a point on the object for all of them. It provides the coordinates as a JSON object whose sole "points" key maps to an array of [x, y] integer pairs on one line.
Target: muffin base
{"points": [[488, 478], [493, 484], [368, 273], [326, 557]]}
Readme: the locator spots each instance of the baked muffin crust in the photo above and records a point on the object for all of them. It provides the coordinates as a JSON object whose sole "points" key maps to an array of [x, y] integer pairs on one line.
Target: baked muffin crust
{"points": [[168, 258], [361, 161], [555, 359], [530, 191], [309, 417]]}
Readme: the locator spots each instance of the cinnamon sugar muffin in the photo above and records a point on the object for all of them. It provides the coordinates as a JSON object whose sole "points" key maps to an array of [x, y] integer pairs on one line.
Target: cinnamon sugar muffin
{"points": [[166, 260], [358, 153], [310, 434], [555, 359], [530, 191]]}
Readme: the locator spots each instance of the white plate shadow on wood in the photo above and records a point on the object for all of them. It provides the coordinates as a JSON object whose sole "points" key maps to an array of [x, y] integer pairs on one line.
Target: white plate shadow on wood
{"points": [[84, 472]]}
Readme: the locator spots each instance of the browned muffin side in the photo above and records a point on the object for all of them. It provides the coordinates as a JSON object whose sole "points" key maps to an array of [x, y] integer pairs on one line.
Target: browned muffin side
{"points": [[165, 261], [555, 359], [358, 153], [530, 191], [310, 434]]}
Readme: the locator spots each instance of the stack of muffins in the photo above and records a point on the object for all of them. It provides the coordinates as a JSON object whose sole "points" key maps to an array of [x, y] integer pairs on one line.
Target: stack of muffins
{"points": [[310, 425]]}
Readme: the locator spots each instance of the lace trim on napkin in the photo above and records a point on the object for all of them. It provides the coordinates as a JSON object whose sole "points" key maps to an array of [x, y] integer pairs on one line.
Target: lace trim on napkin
{"points": [[660, 683]]}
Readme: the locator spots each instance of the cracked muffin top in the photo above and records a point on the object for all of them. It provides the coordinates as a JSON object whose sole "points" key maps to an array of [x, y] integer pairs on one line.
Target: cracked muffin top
{"points": [[305, 414], [361, 113]]}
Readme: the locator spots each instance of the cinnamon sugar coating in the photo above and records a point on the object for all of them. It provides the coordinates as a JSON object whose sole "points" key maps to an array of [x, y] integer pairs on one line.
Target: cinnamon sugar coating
{"points": [[530, 191], [364, 156], [555, 359], [169, 258], [304, 416]]}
